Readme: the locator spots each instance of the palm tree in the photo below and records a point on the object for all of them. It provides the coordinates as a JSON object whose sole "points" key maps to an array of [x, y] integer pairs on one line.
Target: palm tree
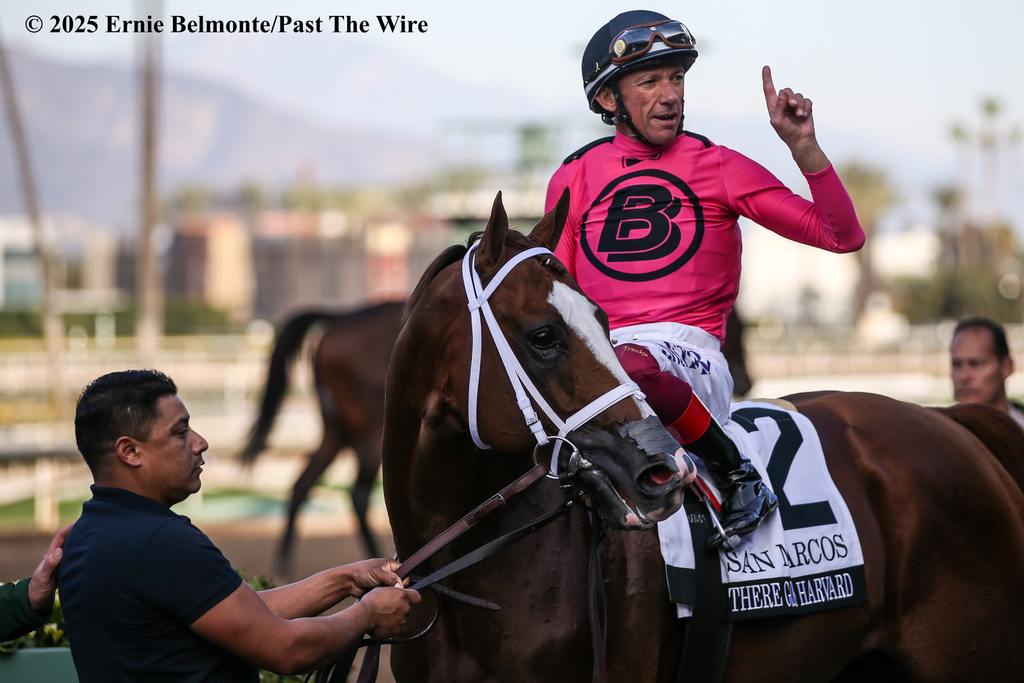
{"points": [[252, 200], [53, 331], [990, 140], [962, 138], [949, 200], [872, 195], [149, 326]]}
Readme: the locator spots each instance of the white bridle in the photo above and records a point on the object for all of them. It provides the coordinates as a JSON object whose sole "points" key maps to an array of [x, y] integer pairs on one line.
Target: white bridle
{"points": [[522, 385]]}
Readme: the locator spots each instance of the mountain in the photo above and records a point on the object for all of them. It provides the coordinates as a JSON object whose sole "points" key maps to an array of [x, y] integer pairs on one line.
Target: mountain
{"points": [[84, 142]]}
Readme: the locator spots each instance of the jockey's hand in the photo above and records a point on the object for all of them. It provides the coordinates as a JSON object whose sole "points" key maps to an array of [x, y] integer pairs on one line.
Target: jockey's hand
{"points": [[369, 574], [791, 115], [387, 609]]}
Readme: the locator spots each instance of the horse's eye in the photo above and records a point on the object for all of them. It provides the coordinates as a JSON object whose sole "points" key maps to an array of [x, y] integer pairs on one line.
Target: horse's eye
{"points": [[544, 339]]}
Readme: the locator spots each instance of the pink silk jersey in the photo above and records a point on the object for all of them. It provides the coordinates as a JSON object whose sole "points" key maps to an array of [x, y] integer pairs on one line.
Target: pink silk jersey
{"points": [[652, 234]]}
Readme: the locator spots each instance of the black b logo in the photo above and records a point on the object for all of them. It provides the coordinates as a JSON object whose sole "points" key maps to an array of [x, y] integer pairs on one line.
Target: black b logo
{"points": [[635, 208], [640, 226]]}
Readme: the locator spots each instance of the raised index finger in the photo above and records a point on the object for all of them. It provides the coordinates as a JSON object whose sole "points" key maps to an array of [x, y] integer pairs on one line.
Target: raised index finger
{"points": [[769, 86]]}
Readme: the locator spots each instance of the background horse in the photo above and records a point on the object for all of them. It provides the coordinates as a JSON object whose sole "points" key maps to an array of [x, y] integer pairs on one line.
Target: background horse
{"points": [[735, 351], [940, 521], [350, 366]]}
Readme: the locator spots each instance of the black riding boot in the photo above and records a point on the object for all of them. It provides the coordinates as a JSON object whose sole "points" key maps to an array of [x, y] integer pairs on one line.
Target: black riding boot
{"points": [[746, 499]]}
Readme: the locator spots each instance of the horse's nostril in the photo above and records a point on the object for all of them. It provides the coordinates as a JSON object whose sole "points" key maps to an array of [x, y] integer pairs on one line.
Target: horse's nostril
{"points": [[659, 475]]}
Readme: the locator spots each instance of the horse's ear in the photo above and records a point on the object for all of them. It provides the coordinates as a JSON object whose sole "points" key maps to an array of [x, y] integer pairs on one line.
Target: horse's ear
{"points": [[492, 242], [549, 230]]}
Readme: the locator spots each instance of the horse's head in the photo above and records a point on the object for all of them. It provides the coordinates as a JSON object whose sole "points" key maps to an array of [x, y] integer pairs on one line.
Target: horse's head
{"points": [[559, 338]]}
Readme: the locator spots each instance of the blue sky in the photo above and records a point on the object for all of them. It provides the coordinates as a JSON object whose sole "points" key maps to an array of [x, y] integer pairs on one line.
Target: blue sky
{"points": [[888, 78]]}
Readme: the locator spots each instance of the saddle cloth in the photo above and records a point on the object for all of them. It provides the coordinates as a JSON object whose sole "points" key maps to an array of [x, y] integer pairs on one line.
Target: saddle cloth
{"points": [[805, 557]]}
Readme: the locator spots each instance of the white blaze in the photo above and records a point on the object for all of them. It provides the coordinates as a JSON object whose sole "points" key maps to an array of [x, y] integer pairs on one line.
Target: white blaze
{"points": [[581, 317]]}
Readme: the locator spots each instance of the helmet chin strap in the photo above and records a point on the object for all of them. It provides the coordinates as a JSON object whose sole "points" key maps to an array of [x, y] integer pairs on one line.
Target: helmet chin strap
{"points": [[622, 116]]}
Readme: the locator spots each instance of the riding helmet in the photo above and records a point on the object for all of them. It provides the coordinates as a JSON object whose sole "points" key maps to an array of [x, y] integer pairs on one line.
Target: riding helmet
{"points": [[598, 67]]}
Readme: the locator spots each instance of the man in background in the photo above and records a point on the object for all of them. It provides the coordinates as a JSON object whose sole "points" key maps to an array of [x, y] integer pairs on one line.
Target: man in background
{"points": [[980, 364]]}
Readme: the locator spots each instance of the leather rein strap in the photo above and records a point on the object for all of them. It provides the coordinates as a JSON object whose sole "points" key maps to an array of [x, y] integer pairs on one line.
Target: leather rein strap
{"points": [[469, 520], [597, 604]]}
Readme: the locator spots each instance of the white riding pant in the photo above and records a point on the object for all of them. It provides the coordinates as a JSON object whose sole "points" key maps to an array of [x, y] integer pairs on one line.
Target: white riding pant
{"points": [[689, 353]]}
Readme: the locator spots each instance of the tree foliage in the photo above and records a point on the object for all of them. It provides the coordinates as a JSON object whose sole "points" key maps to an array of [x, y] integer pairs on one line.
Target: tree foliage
{"points": [[872, 194], [954, 294]]}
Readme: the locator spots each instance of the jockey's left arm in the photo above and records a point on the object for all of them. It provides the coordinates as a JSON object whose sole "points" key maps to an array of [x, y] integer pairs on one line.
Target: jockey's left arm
{"points": [[830, 221]]}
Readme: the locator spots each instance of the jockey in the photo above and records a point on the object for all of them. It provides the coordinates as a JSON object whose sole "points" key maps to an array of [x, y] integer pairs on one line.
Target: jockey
{"points": [[652, 234]]}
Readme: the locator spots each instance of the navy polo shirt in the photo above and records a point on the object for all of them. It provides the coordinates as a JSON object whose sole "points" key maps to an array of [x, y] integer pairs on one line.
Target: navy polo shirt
{"points": [[134, 576]]}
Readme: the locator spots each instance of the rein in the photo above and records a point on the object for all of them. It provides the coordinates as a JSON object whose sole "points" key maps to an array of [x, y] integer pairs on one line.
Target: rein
{"points": [[562, 467]]}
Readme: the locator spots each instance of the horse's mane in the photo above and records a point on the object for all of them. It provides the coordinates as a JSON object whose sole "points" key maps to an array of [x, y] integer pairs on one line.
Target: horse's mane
{"points": [[447, 257], [996, 430]]}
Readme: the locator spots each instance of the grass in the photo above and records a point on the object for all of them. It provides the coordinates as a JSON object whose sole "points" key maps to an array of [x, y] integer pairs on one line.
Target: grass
{"points": [[378, 486], [22, 512], [54, 634]]}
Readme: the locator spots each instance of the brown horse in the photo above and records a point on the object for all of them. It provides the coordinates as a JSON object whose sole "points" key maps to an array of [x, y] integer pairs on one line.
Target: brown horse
{"points": [[735, 351], [941, 523], [349, 368], [997, 430]]}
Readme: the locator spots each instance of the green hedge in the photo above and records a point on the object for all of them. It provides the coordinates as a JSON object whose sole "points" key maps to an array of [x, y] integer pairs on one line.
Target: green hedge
{"points": [[54, 634], [180, 317]]}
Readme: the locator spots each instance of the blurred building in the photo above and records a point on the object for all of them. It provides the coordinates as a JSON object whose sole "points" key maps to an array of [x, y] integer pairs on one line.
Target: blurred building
{"points": [[93, 253], [801, 285], [914, 252], [468, 210], [20, 281], [305, 259], [387, 247], [99, 261], [210, 260], [330, 260], [430, 236], [83, 278]]}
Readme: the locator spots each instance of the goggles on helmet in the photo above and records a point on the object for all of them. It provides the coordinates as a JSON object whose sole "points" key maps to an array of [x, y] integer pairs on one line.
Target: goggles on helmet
{"points": [[637, 41]]}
